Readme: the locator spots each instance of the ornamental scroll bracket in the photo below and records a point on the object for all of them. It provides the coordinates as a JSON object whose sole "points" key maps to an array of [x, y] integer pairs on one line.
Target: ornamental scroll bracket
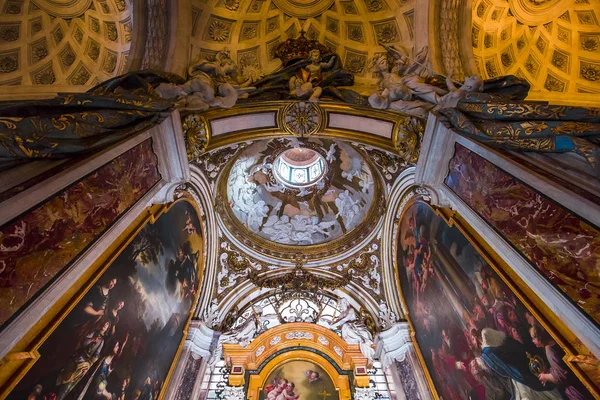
{"points": [[408, 137]]}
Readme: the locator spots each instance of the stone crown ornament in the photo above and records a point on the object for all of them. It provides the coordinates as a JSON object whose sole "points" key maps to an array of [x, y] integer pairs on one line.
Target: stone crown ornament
{"points": [[293, 50]]}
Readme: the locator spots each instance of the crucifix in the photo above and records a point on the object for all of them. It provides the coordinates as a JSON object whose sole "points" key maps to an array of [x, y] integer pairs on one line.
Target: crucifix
{"points": [[324, 394]]}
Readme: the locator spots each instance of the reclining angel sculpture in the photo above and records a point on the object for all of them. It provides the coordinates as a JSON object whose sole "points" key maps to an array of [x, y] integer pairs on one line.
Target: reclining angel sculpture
{"points": [[211, 84], [493, 111]]}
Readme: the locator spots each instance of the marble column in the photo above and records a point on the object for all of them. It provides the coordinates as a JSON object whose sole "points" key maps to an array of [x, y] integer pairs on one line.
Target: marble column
{"points": [[186, 381], [397, 353]]}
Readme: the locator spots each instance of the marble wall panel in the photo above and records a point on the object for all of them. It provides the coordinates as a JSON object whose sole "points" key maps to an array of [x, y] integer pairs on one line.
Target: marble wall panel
{"points": [[560, 245], [38, 246]]}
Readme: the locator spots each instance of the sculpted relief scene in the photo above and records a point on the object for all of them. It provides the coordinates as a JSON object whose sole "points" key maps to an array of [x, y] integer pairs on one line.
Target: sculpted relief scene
{"points": [[299, 199]]}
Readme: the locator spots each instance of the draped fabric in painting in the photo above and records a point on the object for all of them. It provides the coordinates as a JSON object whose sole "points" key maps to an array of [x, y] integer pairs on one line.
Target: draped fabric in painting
{"points": [[73, 123], [476, 336], [557, 242], [120, 339]]}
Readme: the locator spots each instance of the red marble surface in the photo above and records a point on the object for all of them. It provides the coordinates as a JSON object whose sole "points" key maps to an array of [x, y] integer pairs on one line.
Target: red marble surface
{"points": [[559, 244], [36, 247]]}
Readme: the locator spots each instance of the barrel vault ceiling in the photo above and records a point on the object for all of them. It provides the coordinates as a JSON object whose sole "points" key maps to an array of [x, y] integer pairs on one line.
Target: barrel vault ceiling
{"points": [[44, 42], [251, 29], [554, 44]]}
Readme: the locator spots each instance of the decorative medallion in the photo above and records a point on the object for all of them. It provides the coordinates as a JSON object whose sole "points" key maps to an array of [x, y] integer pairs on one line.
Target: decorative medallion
{"points": [[301, 118], [409, 137], [196, 135], [275, 340], [299, 335]]}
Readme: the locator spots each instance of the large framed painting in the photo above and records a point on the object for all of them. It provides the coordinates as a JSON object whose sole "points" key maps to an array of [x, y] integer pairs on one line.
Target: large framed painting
{"points": [[476, 337], [120, 337], [299, 379]]}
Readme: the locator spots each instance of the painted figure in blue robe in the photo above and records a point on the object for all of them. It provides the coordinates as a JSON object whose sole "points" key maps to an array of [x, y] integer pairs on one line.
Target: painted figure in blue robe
{"points": [[508, 358]]}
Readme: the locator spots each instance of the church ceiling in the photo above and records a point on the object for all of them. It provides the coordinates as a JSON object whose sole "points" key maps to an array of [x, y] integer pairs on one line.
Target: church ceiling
{"points": [[251, 29], [553, 44], [80, 42], [292, 193]]}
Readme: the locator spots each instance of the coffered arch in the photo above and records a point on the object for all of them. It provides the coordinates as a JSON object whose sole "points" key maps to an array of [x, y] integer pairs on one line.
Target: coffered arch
{"points": [[555, 45], [251, 29], [46, 42]]}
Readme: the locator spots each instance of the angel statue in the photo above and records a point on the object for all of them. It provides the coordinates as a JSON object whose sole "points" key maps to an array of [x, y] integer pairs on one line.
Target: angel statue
{"points": [[409, 88], [211, 84], [242, 334], [493, 111], [353, 331]]}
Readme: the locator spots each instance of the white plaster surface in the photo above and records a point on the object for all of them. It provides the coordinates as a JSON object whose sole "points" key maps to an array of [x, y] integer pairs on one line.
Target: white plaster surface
{"points": [[361, 124], [226, 125]]}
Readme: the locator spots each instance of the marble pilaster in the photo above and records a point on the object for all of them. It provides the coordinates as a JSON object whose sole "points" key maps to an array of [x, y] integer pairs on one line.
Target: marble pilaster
{"points": [[397, 353]]}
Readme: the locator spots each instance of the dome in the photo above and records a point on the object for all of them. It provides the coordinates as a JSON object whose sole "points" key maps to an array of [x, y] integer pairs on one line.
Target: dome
{"points": [[285, 193], [299, 167]]}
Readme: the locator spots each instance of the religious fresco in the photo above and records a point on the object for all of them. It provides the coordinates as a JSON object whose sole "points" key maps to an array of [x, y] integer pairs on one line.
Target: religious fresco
{"points": [[477, 338], [333, 204], [299, 380], [561, 246], [120, 339], [38, 246]]}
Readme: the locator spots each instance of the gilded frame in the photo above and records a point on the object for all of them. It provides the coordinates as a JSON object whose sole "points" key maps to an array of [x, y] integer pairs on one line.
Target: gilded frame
{"points": [[555, 328], [341, 382], [26, 352], [388, 144]]}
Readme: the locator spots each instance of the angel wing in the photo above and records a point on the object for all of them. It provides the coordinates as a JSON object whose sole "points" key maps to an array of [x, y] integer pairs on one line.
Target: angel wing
{"points": [[416, 66]]}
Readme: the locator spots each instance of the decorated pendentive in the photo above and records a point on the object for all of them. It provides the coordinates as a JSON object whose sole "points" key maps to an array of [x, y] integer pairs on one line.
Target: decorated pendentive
{"points": [[297, 192]]}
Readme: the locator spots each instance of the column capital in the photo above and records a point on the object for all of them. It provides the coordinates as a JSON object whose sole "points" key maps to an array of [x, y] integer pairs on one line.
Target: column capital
{"points": [[393, 343], [199, 339]]}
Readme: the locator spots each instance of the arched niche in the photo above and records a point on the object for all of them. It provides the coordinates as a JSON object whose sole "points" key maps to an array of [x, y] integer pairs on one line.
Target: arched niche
{"points": [[251, 365]]}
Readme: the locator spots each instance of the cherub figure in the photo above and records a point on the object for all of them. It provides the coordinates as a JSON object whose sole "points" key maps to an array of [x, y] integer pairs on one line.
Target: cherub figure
{"points": [[307, 80], [312, 376], [288, 392]]}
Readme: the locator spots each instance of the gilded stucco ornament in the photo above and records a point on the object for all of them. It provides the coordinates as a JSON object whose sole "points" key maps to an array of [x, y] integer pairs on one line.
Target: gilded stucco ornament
{"points": [[299, 279], [301, 118], [195, 131], [363, 269], [304, 8], [407, 139]]}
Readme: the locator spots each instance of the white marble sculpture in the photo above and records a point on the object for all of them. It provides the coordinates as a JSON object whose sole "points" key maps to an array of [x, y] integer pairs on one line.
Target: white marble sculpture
{"points": [[241, 335], [211, 84], [354, 331], [403, 86]]}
